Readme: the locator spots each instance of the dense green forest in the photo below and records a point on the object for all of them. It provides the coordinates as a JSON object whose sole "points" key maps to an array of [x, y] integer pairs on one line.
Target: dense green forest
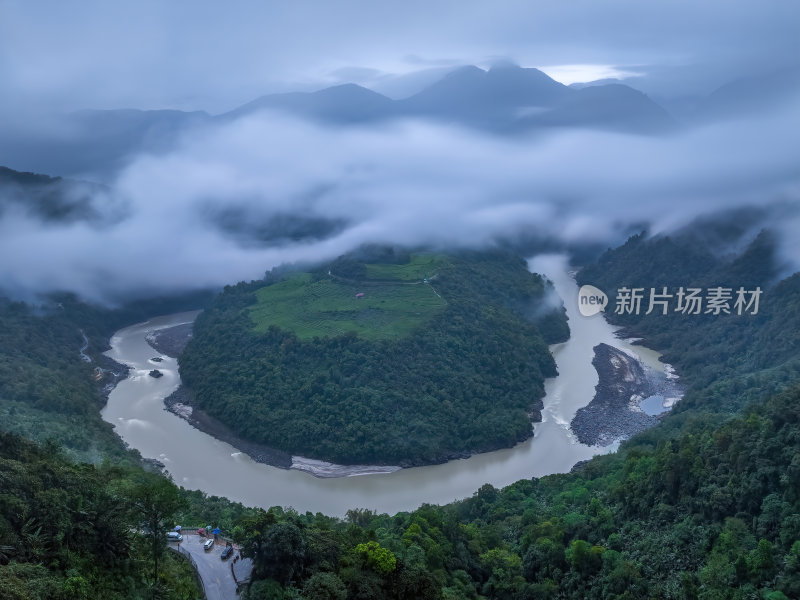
{"points": [[713, 514], [73, 530], [706, 505], [50, 199], [466, 375], [726, 359], [47, 391]]}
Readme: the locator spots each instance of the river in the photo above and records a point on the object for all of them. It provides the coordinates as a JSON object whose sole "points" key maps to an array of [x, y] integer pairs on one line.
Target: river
{"points": [[198, 461]]}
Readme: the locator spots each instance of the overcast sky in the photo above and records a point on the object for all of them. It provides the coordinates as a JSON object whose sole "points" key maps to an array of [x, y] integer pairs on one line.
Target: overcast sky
{"points": [[406, 182], [209, 55], [389, 184]]}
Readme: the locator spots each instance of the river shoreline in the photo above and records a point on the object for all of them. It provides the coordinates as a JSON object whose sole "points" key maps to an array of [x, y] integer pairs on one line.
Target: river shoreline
{"points": [[609, 417], [180, 403], [108, 372], [199, 461], [171, 341], [615, 412], [111, 373]]}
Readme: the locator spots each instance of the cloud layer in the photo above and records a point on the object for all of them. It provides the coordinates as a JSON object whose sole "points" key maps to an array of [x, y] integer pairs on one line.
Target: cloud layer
{"points": [[199, 55], [405, 182], [211, 210]]}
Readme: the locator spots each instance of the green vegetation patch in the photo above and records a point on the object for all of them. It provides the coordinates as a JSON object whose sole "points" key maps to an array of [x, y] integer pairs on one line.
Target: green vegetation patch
{"points": [[397, 376], [331, 307], [418, 268], [76, 531], [705, 505], [47, 390]]}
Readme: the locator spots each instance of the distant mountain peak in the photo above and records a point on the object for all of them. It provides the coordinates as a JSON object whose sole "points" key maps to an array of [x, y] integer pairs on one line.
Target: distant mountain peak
{"points": [[510, 69], [504, 87], [344, 103], [752, 95], [613, 106], [524, 75], [505, 98], [467, 72], [350, 88], [504, 63]]}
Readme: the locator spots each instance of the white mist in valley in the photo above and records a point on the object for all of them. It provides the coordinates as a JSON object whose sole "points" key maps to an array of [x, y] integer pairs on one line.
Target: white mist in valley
{"points": [[233, 200]]}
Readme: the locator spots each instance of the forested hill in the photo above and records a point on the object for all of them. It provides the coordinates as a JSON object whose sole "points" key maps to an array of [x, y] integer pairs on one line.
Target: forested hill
{"points": [[713, 514], [47, 391], [385, 358], [727, 359], [704, 506], [51, 199], [75, 531]]}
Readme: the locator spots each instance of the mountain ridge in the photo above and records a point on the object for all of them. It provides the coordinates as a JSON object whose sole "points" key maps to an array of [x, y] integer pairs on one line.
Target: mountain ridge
{"points": [[504, 100], [496, 99]]}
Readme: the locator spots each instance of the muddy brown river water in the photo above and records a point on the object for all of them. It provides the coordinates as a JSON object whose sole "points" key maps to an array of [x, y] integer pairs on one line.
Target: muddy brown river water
{"points": [[196, 460]]}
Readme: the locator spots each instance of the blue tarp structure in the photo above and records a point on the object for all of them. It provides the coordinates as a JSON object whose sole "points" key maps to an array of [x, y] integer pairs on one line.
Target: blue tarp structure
{"points": [[216, 531]]}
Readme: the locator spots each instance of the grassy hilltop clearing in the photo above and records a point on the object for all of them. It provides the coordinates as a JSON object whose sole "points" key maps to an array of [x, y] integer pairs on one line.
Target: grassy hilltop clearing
{"points": [[382, 357], [391, 302]]}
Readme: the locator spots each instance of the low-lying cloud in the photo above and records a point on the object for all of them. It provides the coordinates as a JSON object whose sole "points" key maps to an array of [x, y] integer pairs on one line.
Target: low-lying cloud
{"points": [[410, 182]]}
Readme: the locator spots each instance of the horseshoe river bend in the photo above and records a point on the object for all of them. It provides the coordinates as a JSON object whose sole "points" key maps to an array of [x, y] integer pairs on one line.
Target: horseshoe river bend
{"points": [[197, 460]]}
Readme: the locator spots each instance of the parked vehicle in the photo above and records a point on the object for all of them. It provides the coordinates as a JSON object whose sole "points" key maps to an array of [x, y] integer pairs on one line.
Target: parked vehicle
{"points": [[227, 552], [174, 536], [208, 544]]}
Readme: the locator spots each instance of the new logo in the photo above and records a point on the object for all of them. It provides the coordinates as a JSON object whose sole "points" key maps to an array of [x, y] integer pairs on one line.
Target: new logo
{"points": [[591, 300]]}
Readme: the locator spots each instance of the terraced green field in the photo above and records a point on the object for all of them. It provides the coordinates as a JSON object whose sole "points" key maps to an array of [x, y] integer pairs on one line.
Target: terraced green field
{"points": [[329, 307], [419, 267]]}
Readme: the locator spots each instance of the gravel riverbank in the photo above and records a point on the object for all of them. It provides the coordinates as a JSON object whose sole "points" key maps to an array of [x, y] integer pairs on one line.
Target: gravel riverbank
{"points": [[110, 374], [180, 403], [172, 340], [615, 413], [107, 372]]}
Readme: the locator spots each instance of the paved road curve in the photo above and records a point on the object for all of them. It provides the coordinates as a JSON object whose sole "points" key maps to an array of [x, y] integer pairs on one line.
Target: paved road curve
{"points": [[216, 573]]}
